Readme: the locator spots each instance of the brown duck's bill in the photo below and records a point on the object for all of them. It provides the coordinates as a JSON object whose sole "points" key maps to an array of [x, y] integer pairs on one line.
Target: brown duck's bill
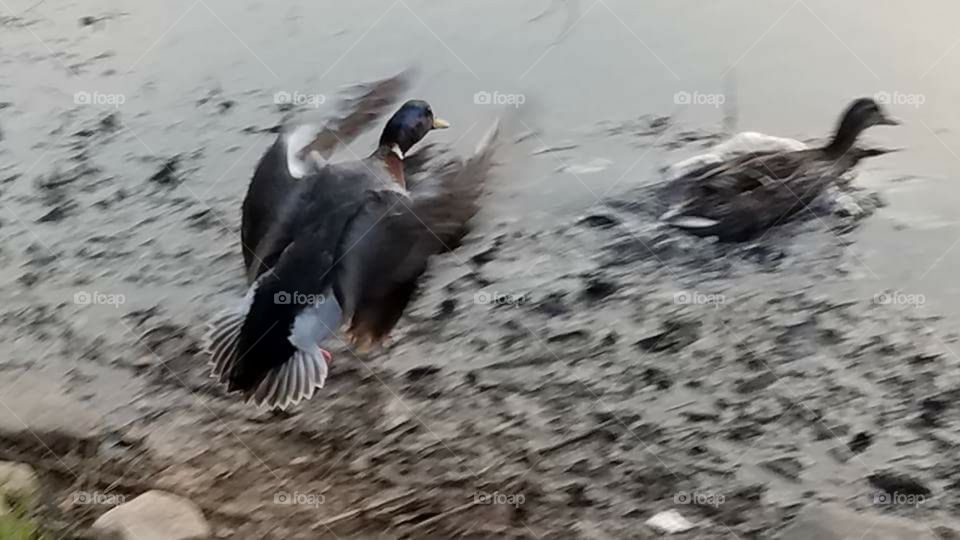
{"points": [[890, 121], [873, 152], [440, 123]]}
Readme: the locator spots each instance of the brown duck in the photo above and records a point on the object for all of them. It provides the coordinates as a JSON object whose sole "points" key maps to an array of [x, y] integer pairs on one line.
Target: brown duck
{"points": [[746, 195]]}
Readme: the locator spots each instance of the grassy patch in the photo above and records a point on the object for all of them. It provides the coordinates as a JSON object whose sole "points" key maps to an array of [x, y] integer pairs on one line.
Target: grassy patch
{"points": [[15, 523], [15, 527]]}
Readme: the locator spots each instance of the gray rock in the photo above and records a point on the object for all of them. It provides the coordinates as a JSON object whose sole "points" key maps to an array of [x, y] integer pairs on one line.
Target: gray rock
{"points": [[155, 515], [18, 482], [18, 479], [36, 413], [832, 522]]}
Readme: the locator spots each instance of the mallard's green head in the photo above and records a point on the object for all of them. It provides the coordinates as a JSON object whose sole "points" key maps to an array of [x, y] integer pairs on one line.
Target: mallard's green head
{"points": [[862, 114], [410, 124]]}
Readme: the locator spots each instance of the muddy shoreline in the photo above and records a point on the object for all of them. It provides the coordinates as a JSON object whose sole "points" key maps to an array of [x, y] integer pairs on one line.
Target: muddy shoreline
{"points": [[561, 378], [599, 372]]}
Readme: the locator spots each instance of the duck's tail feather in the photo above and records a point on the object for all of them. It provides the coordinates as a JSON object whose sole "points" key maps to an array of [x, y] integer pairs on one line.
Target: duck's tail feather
{"points": [[306, 369], [296, 380], [223, 337], [221, 342]]}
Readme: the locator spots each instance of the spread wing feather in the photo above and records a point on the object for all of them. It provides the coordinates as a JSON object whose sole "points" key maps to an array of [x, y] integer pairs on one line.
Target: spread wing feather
{"points": [[360, 108], [389, 244]]}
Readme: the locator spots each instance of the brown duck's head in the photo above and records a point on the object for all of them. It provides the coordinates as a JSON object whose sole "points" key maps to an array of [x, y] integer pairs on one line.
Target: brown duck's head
{"points": [[862, 114], [409, 125]]}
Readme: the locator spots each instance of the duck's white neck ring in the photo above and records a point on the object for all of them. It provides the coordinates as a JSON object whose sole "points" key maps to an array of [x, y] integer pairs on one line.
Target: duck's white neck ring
{"points": [[395, 150]]}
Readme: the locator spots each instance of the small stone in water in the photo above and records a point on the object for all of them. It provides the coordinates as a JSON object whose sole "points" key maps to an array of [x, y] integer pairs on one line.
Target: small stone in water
{"points": [[669, 522]]}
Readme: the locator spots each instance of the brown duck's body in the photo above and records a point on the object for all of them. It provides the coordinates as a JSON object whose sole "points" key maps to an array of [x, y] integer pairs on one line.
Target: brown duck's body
{"points": [[748, 194]]}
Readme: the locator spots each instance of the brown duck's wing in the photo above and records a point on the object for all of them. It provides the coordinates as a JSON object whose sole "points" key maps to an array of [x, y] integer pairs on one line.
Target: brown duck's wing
{"points": [[361, 107], [736, 214], [753, 171], [777, 202]]}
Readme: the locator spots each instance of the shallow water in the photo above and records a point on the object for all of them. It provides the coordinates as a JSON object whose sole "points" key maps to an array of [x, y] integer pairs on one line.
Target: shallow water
{"points": [[581, 67]]}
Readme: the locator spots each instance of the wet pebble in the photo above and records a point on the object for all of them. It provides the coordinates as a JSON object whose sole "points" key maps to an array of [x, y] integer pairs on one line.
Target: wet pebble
{"points": [[789, 467], [674, 336], [757, 383], [167, 175], [860, 442], [599, 287], [893, 482], [553, 305], [600, 221], [421, 372], [669, 522], [447, 309]]}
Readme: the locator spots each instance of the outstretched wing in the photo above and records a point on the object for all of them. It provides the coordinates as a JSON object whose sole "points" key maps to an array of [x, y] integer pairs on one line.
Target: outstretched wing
{"points": [[361, 107], [389, 243], [446, 192], [290, 158]]}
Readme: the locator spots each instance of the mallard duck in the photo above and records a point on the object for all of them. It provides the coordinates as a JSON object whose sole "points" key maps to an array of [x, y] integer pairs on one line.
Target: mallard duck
{"points": [[747, 194], [290, 158], [341, 245]]}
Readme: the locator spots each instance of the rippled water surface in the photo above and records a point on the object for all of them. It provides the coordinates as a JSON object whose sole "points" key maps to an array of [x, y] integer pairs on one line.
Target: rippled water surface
{"points": [[585, 71]]}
